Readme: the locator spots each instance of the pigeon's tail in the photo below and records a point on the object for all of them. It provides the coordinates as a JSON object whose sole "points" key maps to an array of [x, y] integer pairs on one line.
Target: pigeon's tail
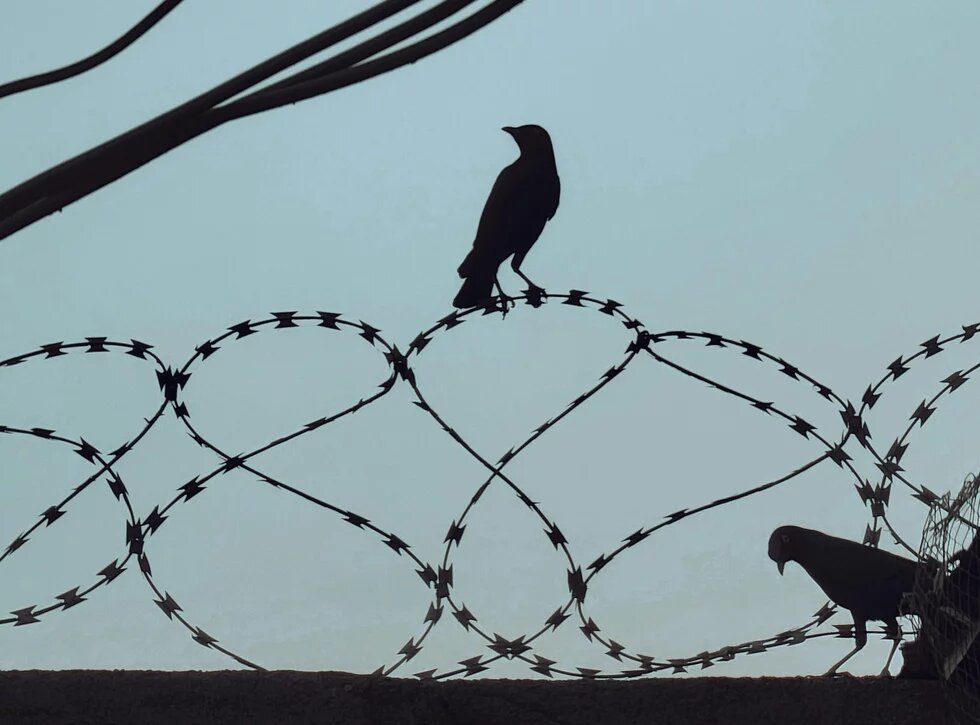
{"points": [[476, 289]]}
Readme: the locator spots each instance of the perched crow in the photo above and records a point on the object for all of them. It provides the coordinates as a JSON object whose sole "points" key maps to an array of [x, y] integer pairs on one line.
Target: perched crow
{"points": [[523, 198], [867, 581]]}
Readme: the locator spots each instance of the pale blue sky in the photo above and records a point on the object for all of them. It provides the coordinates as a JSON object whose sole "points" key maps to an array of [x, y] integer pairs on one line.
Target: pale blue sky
{"points": [[802, 176]]}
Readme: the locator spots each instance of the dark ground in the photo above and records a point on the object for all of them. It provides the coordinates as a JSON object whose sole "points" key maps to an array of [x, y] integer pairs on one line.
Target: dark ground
{"points": [[125, 696]]}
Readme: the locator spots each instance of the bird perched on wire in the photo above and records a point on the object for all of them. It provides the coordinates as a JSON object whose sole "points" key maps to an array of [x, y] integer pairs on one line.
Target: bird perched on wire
{"points": [[867, 581], [522, 200]]}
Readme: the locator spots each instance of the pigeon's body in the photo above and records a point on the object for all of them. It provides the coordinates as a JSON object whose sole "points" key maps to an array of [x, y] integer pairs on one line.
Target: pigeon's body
{"points": [[866, 581]]}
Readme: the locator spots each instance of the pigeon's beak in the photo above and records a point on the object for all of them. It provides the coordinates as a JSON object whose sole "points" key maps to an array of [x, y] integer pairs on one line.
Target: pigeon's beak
{"points": [[776, 551]]}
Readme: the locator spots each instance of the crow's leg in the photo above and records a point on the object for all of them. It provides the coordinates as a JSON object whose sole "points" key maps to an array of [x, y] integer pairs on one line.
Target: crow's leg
{"points": [[515, 264], [891, 628], [860, 639], [534, 287], [504, 299]]}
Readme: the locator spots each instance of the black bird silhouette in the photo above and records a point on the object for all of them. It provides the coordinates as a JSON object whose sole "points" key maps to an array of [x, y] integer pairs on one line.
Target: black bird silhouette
{"points": [[523, 199], [867, 581]]}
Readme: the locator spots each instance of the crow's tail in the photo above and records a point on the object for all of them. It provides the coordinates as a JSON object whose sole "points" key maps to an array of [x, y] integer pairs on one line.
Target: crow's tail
{"points": [[476, 289]]}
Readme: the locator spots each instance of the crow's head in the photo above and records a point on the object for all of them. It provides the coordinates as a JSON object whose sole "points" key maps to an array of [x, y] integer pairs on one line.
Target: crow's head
{"points": [[781, 546], [530, 138]]}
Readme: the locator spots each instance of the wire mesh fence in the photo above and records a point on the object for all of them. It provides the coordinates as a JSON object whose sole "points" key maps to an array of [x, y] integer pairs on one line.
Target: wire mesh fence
{"points": [[838, 448], [947, 596]]}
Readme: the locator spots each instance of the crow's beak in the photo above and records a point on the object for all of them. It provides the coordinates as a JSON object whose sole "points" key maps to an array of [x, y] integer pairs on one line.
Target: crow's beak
{"points": [[780, 565], [509, 129]]}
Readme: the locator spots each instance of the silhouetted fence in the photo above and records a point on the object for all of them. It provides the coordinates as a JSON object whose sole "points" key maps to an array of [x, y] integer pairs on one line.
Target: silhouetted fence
{"points": [[437, 576]]}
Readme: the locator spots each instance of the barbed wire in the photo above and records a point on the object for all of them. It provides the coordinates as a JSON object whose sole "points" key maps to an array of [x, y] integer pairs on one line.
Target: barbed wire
{"points": [[438, 577]]}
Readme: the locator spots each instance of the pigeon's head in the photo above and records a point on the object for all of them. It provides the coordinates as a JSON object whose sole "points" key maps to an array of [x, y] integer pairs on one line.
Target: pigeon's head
{"points": [[530, 138], [781, 546]]}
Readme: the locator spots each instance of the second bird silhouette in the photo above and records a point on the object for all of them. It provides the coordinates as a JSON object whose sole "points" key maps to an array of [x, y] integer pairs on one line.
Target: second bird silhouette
{"points": [[869, 582], [523, 199]]}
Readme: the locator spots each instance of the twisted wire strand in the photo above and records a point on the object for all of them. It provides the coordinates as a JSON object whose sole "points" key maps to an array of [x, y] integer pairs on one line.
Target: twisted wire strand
{"points": [[97, 58]]}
